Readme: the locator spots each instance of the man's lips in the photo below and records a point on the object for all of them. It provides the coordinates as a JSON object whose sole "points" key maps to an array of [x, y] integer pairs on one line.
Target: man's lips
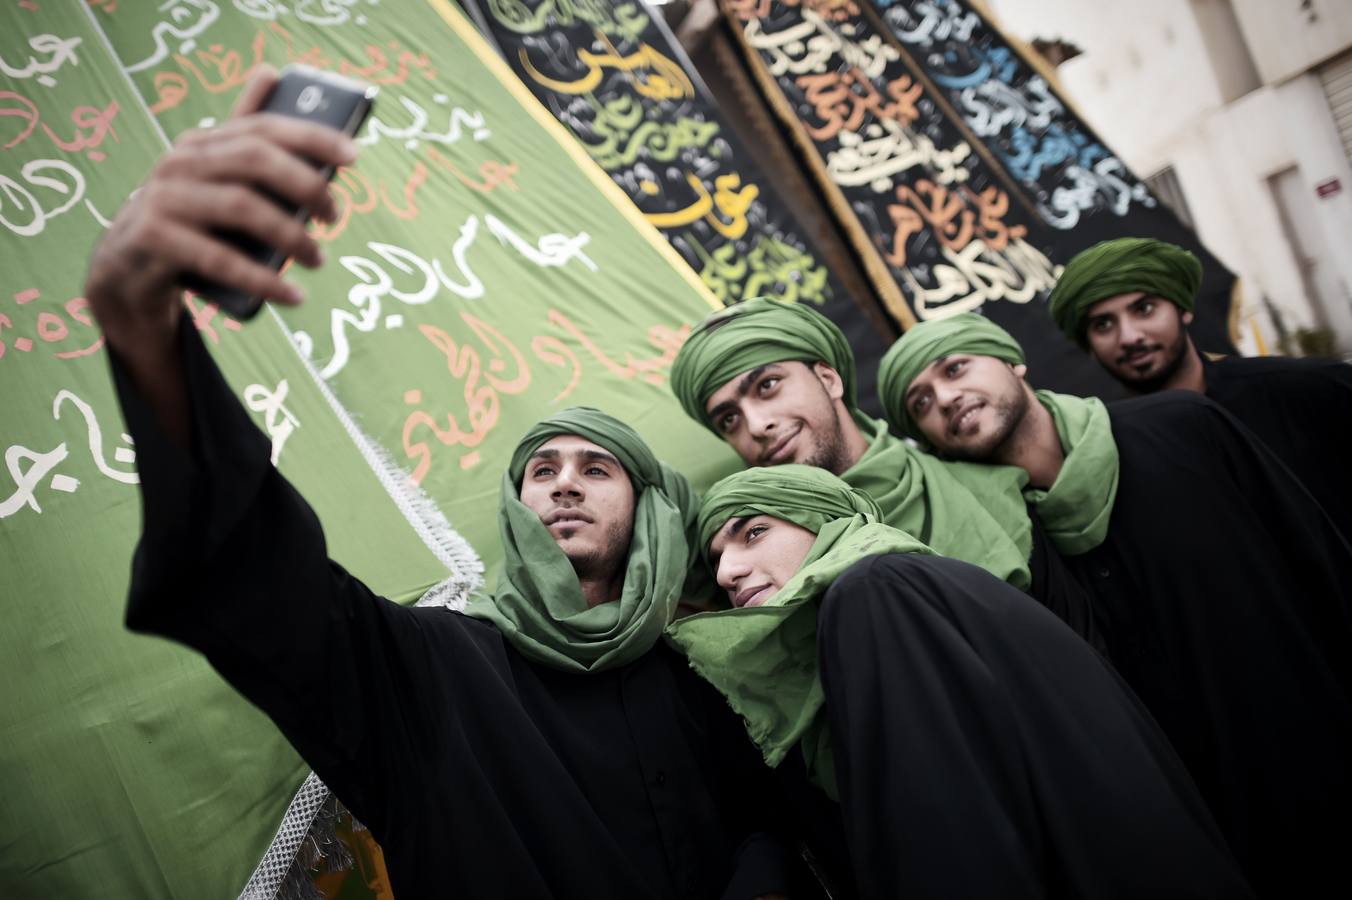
{"points": [[752, 596], [568, 516], [964, 416], [783, 448]]}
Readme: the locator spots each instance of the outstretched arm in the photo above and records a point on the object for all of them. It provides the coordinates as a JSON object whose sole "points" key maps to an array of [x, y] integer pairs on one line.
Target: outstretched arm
{"points": [[232, 561]]}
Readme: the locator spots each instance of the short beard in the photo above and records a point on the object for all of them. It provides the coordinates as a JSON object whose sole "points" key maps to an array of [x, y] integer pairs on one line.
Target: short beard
{"points": [[1010, 413], [1173, 361], [606, 563], [829, 454]]}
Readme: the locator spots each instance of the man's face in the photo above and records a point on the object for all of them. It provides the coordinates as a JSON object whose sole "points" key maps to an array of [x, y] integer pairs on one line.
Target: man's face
{"points": [[585, 498], [755, 555], [968, 406], [1139, 338], [784, 412]]}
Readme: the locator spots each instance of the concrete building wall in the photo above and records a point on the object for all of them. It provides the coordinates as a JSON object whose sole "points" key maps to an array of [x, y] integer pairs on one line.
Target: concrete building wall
{"points": [[1288, 37], [1242, 121]]}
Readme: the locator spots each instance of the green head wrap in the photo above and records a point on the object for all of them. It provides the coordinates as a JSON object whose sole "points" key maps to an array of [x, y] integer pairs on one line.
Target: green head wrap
{"points": [[1122, 266], [763, 659], [804, 495], [538, 603], [750, 334], [925, 342]]}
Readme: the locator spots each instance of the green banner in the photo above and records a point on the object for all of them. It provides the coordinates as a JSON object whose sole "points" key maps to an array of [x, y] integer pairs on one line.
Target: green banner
{"points": [[483, 274]]}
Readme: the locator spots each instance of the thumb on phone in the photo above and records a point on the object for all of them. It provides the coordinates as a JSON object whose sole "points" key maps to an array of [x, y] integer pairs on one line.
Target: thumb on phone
{"points": [[255, 93]]}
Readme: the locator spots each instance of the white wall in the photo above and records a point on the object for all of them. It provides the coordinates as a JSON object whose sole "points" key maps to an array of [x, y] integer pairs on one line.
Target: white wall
{"points": [[1286, 41]]}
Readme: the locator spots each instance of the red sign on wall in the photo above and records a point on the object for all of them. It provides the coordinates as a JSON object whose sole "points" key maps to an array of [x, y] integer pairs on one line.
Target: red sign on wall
{"points": [[1328, 187]]}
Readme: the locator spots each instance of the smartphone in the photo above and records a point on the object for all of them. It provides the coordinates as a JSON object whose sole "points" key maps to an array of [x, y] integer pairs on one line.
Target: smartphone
{"points": [[305, 93]]}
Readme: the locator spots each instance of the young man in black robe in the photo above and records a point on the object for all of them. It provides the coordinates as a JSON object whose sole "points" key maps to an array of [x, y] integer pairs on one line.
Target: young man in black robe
{"points": [[1221, 586], [1129, 302], [776, 382], [544, 744]]}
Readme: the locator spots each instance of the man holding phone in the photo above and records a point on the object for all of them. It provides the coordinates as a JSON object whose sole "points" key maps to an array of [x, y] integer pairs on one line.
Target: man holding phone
{"points": [[543, 744]]}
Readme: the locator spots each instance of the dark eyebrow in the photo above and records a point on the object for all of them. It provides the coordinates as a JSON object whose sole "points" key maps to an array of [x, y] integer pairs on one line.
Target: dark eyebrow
{"points": [[599, 455], [731, 528], [743, 388], [910, 392]]}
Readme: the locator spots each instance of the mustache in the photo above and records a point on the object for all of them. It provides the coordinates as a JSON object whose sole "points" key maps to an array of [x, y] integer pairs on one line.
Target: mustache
{"points": [[1138, 350]]}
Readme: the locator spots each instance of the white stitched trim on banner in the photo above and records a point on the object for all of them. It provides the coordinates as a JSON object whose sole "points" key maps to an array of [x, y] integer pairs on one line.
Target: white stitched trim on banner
{"points": [[276, 862]]}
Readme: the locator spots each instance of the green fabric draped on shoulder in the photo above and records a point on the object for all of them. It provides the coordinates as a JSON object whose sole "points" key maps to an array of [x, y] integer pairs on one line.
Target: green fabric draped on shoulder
{"points": [[751, 334], [1122, 266], [1076, 509], [763, 659], [974, 513], [538, 603]]}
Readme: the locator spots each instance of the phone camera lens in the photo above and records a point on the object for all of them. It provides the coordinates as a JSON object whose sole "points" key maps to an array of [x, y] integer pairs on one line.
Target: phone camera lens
{"points": [[309, 99]]}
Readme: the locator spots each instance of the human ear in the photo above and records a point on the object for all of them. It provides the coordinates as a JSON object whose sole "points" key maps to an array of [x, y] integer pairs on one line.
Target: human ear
{"points": [[830, 379], [1020, 370], [1187, 318]]}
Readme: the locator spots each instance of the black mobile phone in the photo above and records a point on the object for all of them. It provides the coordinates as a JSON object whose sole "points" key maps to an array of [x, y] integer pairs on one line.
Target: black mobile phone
{"points": [[305, 93]]}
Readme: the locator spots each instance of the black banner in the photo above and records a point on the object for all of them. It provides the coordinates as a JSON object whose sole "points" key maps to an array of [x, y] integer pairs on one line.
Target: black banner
{"points": [[616, 77], [955, 168], [618, 80]]}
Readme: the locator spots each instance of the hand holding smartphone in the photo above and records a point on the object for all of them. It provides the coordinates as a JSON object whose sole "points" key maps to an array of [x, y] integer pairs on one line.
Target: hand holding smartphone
{"points": [[305, 93]]}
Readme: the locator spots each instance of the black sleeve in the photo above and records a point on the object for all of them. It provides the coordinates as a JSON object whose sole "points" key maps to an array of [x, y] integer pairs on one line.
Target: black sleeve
{"points": [[1057, 587], [232, 562]]}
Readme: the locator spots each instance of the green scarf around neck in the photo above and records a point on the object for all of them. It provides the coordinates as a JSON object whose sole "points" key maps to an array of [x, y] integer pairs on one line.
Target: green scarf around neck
{"points": [[974, 513], [538, 603], [763, 659], [1075, 510]]}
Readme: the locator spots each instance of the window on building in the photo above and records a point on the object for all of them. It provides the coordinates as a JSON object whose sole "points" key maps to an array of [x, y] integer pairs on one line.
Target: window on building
{"points": [[1165, 185]]}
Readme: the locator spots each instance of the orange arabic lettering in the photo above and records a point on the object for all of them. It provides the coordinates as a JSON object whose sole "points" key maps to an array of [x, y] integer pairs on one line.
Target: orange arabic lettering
{"points": [[555, 352], [482, 401]]}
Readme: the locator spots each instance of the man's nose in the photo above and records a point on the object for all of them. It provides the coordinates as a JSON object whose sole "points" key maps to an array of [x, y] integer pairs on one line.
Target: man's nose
{"points": [[759, 422], [730, 572], [947, 395], [567, 484], [1128, 333]]}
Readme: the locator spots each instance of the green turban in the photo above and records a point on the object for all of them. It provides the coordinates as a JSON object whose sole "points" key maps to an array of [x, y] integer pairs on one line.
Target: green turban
{"points": [[1122, 266], [925, 342], [804, 495], [538, 604], [751, 334], [763, 659]]}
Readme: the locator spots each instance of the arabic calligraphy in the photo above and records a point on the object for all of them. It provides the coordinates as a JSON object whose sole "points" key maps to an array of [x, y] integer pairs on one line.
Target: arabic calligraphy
{"points": [[58, 51], [617, 81], [489, 366], [42, 464]]}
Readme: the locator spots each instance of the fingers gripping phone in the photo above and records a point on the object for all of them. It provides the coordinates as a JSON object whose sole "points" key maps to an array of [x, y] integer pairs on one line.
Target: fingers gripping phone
{"points": [[304, 93]]}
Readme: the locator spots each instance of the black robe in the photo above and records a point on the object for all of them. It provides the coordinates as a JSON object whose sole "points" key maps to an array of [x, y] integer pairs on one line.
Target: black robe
{"points": [[983, 750], [1057, 586], [1300, 408], [1223, 593], [482, 774]]}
